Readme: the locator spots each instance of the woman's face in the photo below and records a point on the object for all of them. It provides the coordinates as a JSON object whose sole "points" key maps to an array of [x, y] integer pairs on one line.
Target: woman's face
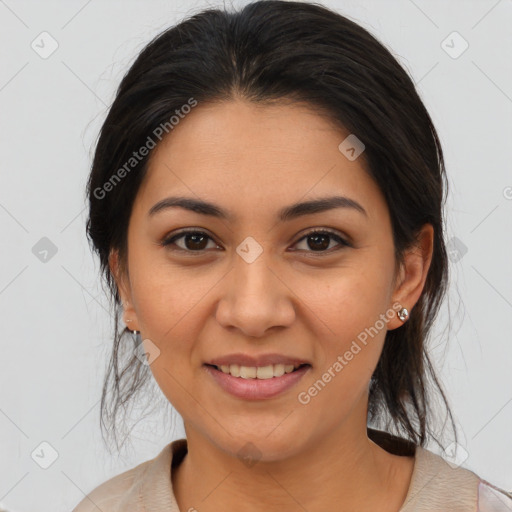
{"points": [[253, 283]]}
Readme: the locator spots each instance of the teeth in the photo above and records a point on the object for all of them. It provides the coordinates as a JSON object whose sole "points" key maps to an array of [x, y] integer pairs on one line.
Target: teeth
{"points": [[260, 372]]}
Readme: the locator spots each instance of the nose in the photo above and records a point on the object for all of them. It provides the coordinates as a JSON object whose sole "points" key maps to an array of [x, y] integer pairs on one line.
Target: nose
{"points": [[255, 298]]}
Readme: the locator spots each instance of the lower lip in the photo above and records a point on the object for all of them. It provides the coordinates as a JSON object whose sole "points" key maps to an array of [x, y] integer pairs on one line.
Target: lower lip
{"points": [[256, 389]]}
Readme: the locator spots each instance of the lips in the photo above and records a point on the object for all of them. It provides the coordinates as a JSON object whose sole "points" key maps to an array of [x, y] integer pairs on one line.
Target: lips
{"points": [[254, 388]]}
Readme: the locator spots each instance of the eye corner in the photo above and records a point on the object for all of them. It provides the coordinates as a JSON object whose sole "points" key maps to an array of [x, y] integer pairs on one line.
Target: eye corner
{"points": [[342, 240]]}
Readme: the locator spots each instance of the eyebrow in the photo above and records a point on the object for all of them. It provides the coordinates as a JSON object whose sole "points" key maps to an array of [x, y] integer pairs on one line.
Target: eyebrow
{"points": [[285, 214]]}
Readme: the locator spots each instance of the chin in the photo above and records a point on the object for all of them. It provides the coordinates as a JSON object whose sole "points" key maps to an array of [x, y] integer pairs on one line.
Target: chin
{"points": [[260, 447]]}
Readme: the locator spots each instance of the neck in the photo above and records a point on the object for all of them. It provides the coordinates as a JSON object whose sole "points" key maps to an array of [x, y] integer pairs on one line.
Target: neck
{"points": [[345, 467]]}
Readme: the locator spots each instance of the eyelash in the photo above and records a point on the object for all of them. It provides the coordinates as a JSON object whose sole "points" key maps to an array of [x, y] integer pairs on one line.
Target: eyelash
{"points": [[167, 242]]}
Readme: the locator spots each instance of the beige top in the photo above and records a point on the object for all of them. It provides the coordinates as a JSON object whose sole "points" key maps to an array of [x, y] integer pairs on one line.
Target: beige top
{"points": [[436, 485]]}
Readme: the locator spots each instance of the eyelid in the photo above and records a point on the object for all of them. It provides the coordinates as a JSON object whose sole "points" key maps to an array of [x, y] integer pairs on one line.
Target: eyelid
{"points": [[170, 239], [343, 240], [329, 231]]}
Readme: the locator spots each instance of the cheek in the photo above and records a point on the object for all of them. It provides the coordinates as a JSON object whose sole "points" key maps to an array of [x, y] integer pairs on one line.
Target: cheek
{"points": [[170, 315], [340, 381], [350, 314], [168, 310], [166, 297], [336, 308], [345, 300]]}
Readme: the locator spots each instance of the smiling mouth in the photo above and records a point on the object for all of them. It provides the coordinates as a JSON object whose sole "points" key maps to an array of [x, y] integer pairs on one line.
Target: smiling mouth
{"points": [[258, 373]]}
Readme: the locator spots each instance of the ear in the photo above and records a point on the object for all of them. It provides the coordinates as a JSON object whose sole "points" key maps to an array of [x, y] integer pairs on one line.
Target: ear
{"points": [[123, 285], [413, 273]]}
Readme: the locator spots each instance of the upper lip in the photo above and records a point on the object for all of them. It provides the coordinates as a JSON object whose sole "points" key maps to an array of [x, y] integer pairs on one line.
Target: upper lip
{"points": [[259, 360]]}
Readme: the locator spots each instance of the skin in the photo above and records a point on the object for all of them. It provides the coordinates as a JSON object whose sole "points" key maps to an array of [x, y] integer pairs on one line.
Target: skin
{"points": [[254, 160]]}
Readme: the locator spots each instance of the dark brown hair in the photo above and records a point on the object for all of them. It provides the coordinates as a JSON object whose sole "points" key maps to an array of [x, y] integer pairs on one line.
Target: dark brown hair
{"points": [[274, 50]]}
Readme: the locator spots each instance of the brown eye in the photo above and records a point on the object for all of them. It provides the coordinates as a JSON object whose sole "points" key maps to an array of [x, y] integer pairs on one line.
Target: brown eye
{"points": [[193, 241], [319, 241]]}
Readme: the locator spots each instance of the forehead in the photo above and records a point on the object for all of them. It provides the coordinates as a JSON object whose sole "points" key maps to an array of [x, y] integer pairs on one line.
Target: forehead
{"points": [[247, 156]]}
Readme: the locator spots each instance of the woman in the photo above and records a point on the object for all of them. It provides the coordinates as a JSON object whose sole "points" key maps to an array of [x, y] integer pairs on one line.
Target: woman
{"points": [[266, 201]]}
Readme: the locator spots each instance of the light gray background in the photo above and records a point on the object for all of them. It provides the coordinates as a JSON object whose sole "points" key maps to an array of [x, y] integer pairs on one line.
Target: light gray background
{"points": [[55, 321]]}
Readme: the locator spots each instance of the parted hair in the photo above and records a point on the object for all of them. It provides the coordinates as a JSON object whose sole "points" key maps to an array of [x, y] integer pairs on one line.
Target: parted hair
{"points": [[285, 51]]}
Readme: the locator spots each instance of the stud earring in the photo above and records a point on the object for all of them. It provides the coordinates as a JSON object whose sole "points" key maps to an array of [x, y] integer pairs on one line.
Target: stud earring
{"points": [[403, 314]]}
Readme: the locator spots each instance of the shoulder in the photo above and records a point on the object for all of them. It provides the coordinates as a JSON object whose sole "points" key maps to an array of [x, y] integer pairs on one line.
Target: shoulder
{"points": [[493, 499], [109, 495], [128, 490], [438, 483]]}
